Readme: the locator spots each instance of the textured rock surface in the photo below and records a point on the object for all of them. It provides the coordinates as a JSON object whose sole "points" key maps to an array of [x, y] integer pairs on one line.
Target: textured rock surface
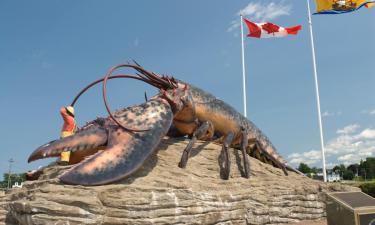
{"points": [[5, 217], [162, 193], [3, 202]]}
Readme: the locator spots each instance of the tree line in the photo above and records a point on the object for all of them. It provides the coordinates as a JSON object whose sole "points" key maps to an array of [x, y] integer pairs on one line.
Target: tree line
{"points": [[364, 170], [14, 177]]}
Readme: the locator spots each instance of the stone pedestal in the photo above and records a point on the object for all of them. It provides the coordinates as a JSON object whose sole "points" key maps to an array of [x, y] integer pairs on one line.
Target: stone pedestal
{"points": [[162, 193]]}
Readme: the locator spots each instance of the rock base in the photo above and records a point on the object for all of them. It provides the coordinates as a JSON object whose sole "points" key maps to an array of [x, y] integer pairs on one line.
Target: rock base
{"points": [[162, 193]]}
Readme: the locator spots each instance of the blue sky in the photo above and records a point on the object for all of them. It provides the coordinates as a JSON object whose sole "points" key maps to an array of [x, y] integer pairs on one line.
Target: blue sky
{"points": [[49, 50]]}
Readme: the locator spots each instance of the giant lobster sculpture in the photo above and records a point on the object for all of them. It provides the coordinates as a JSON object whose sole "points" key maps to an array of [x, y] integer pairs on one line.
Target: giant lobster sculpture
{"points": [[115, 147]]}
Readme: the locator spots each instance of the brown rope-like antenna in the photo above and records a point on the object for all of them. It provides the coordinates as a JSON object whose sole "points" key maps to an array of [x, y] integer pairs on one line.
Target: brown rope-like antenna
{"points": [[160, 82], [106, 101], [109, 78]]}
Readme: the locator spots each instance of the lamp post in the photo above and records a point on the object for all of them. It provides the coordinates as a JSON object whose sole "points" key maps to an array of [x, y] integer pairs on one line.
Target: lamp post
{"points": [[11, 161]]}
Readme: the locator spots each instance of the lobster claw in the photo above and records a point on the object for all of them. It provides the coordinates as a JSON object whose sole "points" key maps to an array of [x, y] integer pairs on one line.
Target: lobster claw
{"points": [[82, 143], [125, 151]]}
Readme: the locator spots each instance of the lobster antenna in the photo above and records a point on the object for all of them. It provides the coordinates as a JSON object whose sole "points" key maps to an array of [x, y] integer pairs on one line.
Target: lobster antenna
{"points": [[143, 75], [141, 78], [106, 77], [164, 81]]}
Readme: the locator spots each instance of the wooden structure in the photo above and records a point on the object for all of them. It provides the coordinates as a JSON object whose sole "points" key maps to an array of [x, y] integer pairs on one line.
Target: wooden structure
{"points": [[350, 208]]}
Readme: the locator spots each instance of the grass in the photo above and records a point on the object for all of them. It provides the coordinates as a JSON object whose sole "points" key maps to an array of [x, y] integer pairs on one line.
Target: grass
{"points": [[367, 187]]}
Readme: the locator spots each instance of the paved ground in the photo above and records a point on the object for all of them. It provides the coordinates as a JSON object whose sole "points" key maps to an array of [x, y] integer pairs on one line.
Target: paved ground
{"points": [[311, 222], [316, 222]]}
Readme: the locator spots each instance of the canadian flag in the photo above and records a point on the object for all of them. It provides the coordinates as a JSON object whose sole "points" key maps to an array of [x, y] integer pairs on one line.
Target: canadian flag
{"points": [[267, 30]]}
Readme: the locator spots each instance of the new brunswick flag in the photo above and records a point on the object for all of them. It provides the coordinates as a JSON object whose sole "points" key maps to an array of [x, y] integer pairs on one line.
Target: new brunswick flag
{"points": [[341, 6]]}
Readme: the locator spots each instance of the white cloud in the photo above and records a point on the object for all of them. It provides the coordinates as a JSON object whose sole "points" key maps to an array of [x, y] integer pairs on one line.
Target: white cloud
{"points": [[261, 12], [46, 65], [350, 146], [371, 112], [309, 157], [328, 113], [329, 165], [294, 155], [233, 25], [348, 129], [40, 57], [38, 54], [367, 133], [346, 157], [136, 42]]}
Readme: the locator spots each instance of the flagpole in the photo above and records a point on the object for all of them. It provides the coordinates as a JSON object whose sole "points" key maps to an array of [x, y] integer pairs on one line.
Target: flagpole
{"points": [[243, 70], [317, 94]]}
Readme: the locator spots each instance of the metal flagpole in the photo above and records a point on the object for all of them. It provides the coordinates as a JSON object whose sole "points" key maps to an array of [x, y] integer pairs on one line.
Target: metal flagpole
{"points": [[317, 94], [243, 70]]}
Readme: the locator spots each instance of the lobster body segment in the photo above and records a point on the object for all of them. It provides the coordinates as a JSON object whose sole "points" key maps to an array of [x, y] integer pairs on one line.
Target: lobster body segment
{"points": [[226, 121]]}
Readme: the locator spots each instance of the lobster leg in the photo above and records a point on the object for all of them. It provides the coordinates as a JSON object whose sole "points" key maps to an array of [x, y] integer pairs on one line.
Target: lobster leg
{"points": [[227, 141], [246, 162], [199, 133], [280, 165]]}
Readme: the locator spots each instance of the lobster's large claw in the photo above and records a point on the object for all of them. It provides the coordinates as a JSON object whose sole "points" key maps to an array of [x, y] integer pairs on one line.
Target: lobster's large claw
{"points": [[83, 143], [125, 151]]}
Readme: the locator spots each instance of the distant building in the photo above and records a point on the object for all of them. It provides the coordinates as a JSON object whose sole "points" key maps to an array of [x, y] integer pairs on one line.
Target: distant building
{"points": [[331, 176], [318, 176], [16, 185]]}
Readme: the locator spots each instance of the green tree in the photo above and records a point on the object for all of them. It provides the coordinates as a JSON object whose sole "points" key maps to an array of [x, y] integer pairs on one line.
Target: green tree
{"points": [[367, 168], [340, 169], [304, 168], [314, 170], [368, 188], [348, 175], [354, 168], [15, 177]]}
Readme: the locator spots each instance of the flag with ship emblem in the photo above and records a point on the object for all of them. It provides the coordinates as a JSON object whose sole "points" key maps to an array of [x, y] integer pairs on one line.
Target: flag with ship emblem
{"points": [[267, 30], [341, 6]]}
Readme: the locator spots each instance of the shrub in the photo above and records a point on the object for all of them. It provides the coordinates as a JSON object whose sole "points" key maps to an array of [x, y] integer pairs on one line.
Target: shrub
{"points": [[348, 175], [368, 188]]}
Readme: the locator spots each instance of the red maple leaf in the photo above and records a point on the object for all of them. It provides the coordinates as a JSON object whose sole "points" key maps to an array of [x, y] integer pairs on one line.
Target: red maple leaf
{"points": [[270, 28]]}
